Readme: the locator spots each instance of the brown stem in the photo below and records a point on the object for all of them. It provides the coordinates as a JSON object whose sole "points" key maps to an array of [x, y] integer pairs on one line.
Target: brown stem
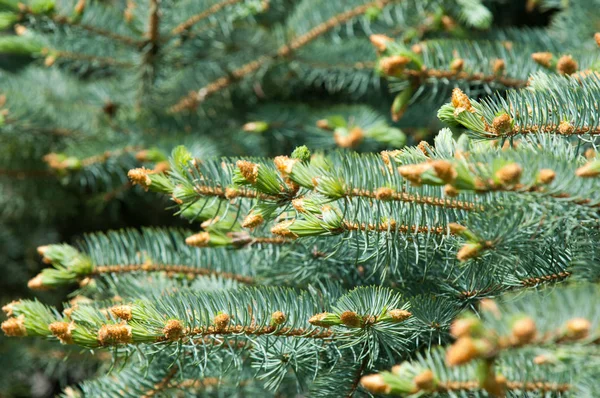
{"points": [[415, 198], [200, 16], [359, 373], [531, 386], [529, 282], [255, 331], [93, 29], [384, 227], [169, 269], [108, 154], [92, 58], [471, 77], [163, 384], [195, 97]]}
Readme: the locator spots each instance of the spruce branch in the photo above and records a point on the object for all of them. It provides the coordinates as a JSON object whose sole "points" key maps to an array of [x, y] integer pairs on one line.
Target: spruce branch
{"points": [[192, 100], [497, 117]]}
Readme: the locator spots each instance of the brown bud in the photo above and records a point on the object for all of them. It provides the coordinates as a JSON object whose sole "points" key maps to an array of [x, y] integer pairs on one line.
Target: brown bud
{"points": [[502, 124], [384, 193], [41, 250], [461, 352], [15, 327], [469, 251], [456, 229], [542, 359], [231, 193], [140, 176], [324, 124], [463, 327], [566, 128], [524, 331], [597, 38], [298, 204], [37, 283], [375, 384], [161, 167], [417, 48], [79, 7], [413, 172], [489, 305], [278, 318], [509, 174], [350, 140], [142, 156], [498, 66], [425, 380], [350, 318], [590, 153], [173, 329], [542, 58], [49, 60], [114, 334], [69, 311], [457, 65], [448, 22], [221, 321], [566, 65], [450, 191], [444, 170], [578, 328], [380, 42], [20, 30], [588, 170], [399, 315], [318, 320], [252, 220], [122, 311], [283, 229], [249, 170], [9, 308], [461, 101], [284, 164], [198, 240], [546, 176], [424, 147], [62, 331], [394, 64]]}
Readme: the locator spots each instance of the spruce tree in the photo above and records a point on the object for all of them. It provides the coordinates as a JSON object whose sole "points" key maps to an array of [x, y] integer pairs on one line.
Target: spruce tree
{"points": [[302, 197]]}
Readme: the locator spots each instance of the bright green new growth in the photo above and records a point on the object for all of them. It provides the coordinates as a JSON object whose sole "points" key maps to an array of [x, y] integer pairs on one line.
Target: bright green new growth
{"points": [[339, 239]]}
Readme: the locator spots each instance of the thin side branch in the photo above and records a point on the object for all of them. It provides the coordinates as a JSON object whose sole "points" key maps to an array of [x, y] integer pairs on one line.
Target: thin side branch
{"points": [[194, 19], [169, 269], [195, 97]]}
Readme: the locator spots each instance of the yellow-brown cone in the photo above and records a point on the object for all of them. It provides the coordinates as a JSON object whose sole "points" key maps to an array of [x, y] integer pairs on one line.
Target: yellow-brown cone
{"points": [[578, 328], [375, 384], [62, 331], [15, 327], [122, 312], [542, 58], [114, 334], [462, 351], [221, 321], [173, 329], [509, 174], [350, 318], [425, 380], [524, 331], [566, 65]]}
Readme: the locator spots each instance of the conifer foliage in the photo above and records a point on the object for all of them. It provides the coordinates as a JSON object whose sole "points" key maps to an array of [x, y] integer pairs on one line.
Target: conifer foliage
{"points": [[303, 197]]}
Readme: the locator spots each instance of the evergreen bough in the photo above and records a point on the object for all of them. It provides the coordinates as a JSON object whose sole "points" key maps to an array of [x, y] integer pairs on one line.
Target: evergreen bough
{"points": [[323, 254]]}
